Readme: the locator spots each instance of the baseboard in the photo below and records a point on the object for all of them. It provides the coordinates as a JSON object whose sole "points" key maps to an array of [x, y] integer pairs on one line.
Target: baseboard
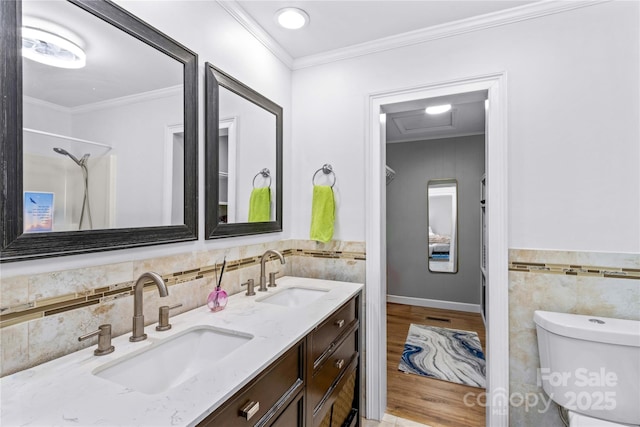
{"points": [[434, 303]]}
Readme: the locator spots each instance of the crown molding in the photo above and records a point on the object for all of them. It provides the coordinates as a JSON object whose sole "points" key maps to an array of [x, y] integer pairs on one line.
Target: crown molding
{"points": [[109, 103], [239, 14], [450, 29], [50, 105], [129, 99]]}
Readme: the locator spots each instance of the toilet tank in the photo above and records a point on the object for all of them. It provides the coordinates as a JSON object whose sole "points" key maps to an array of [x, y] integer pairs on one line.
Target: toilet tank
{"points": [[591, 364]]}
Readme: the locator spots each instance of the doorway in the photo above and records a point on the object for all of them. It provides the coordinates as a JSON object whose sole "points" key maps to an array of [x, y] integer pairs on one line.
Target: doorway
{"points": [[435, 332], [497, 261]]}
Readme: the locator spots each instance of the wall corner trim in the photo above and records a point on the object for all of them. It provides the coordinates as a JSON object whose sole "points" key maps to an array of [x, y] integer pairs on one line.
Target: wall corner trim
{"points": [[239, 14]]}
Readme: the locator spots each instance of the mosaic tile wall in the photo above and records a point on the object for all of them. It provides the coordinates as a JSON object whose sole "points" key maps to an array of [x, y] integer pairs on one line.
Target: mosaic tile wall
{"points": [[599, 284], [42, 315]]}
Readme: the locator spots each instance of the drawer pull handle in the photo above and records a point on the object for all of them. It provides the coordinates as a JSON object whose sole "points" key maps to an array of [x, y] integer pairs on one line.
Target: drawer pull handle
{"points": [[339, 363], [339, 323], [250, 410]]}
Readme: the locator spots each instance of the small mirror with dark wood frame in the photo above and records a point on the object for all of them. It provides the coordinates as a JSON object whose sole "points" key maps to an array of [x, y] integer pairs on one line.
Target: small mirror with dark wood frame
{"points": [[99, 139], [243, 159]]}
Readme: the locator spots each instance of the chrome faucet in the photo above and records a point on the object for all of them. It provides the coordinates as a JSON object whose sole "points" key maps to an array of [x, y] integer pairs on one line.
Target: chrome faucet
{"points": [[263, 277], [138, 314]]}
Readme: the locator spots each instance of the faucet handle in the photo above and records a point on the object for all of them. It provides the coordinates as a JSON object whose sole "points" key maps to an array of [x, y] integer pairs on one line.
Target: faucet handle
{"points": [[272, 279], [163, 316], [104, 340], [249, 285]]}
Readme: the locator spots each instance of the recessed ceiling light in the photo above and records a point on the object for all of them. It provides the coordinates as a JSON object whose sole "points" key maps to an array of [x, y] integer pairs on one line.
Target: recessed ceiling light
{"points": [[438, 109], [51, 49], [292, 18]]}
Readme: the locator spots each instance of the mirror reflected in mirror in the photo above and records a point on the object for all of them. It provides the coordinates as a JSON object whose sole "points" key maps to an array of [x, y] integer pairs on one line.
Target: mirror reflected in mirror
{"points": [[243, 159], [102, 136], [246, 144], [442, 208]]}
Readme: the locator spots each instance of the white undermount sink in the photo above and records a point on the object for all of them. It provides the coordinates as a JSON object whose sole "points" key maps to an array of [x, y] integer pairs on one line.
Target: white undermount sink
{"points": [[171, 362], [295, 297]]}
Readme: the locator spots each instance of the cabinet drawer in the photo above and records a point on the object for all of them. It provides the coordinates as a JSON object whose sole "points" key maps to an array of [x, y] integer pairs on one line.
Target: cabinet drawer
{"points": [[326, 374], [264, 398], [327, 332]]}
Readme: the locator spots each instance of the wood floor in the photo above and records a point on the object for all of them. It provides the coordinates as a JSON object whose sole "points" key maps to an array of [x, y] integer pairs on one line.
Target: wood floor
{"points": [[426, 400]]}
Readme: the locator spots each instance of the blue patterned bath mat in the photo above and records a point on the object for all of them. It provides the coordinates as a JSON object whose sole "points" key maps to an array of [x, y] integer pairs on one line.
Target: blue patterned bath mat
{"points": [[445, 354]]}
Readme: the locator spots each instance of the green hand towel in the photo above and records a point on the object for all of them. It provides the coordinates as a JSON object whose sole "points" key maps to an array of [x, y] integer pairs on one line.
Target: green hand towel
{"points": [[260, 205], [322, 213]]}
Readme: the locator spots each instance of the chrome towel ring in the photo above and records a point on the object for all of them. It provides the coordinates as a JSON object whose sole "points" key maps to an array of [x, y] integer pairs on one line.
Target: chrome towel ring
{"points": [[326, 169], [266, 173]]}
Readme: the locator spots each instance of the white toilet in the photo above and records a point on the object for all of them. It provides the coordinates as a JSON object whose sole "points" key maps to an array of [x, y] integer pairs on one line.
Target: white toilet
{"points": [[590, 365]]}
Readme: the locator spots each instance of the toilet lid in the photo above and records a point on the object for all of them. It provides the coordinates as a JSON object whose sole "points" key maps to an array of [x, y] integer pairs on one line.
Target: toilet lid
{"points": [[579, 420]]}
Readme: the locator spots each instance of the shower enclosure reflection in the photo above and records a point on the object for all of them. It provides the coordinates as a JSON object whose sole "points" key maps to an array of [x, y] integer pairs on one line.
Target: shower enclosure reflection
{"points": [[442, 208], [118, 118]]}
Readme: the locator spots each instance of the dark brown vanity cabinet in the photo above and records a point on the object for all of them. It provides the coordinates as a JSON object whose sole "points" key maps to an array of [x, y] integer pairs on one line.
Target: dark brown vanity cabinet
{"points": [[314, 384], [332, 369]]}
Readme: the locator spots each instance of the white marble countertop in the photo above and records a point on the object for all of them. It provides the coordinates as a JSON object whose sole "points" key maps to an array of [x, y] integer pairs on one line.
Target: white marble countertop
{"points": [[64, 392]]}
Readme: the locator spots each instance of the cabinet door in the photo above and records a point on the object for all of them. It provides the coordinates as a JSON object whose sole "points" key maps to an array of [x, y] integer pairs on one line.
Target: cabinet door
{"points": [[344, 403], [293, 416]]}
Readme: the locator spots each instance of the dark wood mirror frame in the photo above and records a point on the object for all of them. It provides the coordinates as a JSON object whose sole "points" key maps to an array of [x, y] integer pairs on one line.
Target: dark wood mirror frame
{"points": [[18, 246], [214, 229]]}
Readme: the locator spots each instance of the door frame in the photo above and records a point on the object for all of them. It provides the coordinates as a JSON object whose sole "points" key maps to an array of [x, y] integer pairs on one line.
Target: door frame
{"points": [[167, 201], [497, 319]]}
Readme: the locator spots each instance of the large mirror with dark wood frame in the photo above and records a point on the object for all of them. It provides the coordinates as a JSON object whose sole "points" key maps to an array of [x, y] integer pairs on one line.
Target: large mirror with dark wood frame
{"points": [[99, 145], [243, 159]]}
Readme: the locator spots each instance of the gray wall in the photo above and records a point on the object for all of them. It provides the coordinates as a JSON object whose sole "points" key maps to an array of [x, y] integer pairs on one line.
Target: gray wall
{"points": [[415, 164]]}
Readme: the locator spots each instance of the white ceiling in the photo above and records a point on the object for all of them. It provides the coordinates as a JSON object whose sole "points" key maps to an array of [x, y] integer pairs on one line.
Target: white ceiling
{"points": [[333, 25], [118, 65], [339, 24]]}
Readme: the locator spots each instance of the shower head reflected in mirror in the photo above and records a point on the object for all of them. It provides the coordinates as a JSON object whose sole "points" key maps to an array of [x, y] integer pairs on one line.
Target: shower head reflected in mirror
{"points": [[82, 162], [85, 172]]}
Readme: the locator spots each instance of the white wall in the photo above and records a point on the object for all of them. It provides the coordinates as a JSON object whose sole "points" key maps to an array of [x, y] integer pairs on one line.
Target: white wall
{"points": [[136, 133], [208, 30], [574, 179]]}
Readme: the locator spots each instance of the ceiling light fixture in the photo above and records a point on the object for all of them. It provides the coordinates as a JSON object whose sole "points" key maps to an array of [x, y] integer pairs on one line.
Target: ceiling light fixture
{"points": [[292, 18], [438, 109], [51, 49]]}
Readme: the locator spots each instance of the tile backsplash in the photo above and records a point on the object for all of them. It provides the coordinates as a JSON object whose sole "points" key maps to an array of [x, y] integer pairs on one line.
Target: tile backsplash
{"points": [[43, 314], [599, 284]]}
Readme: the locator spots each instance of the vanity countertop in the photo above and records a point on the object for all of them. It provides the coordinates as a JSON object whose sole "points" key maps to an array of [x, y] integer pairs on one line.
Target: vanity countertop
{"points": [[64, 392]]}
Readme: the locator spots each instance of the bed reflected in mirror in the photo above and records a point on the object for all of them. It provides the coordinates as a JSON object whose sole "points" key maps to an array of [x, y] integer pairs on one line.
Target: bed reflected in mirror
{"points": [[442, 208]]}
